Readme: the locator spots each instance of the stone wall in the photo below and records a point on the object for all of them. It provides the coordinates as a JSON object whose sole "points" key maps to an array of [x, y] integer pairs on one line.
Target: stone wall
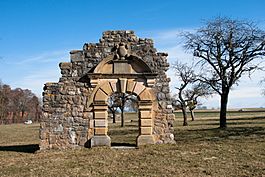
{"points": [[67, 117]]}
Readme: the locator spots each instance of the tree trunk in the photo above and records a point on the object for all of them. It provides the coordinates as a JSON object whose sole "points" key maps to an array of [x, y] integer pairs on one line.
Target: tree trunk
{"points": [[223, 110], [185, 116], [192, 115], [122, 118]]}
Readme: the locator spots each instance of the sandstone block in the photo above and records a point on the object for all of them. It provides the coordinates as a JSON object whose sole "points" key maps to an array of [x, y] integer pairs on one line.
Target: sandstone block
{"points": [[101, 96], [145, 114], [100, 115], [113, 86], [100, 141], [101, 123], [107, 88], [145, 95], [139, 87], [146, 122], [145, 140], [146, 130], [130, 86], [123, 83], [101, 131]]}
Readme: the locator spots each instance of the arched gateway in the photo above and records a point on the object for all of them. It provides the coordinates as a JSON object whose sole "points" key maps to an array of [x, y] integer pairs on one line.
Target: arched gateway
{"points": [[75, 108]]}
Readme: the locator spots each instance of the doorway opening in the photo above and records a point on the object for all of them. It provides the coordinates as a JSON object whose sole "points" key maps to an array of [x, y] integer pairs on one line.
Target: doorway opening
{"points": [[123, 119]]}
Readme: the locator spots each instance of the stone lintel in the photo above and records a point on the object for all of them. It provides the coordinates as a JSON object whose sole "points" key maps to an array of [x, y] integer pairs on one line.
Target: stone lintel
{"points": [[117, 76]]}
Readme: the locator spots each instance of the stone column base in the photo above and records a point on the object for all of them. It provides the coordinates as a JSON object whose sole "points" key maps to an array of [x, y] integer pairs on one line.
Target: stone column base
{"points": [[145, 140], [100, 141]]}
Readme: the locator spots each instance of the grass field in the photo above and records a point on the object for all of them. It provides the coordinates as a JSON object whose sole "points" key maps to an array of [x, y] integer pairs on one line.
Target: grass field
{"points": [[201, 150]]}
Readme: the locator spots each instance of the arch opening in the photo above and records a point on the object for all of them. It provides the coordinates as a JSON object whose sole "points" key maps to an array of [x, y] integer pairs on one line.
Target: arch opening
{"points": [[123, 119], [100, 109]]}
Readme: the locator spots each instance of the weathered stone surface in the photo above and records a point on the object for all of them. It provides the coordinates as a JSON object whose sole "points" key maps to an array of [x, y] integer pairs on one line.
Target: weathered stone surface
{"points": [[101, 123], [145, 114], [75, 109], [100, 141], [101, 96], [107, 88], [145, 95], [101, 131], [146, 122], [100, 114], [123, 83], [130, 86], [138, 88], [145, 140], [146, 130]]}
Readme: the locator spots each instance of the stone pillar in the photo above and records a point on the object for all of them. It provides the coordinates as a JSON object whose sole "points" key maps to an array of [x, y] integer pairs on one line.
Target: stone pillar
{"points": [[100, 137], [146, 124]]}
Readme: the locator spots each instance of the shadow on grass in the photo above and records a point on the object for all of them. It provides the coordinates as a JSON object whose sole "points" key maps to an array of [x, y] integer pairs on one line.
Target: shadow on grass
{"points": [[232, 119], [123, 144], [230, 122], [29, 148], [215, 134]]}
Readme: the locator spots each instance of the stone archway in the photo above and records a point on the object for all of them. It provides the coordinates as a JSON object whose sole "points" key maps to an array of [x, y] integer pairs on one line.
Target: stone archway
{"points": [[74, 108], [100, 114]]}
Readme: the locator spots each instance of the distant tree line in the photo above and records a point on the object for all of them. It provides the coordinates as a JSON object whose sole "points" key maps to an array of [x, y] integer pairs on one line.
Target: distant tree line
{"points": [[18, 105]]}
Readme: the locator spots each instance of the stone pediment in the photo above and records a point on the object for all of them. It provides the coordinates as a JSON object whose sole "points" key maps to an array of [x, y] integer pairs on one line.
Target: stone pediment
{"points": [[129, 67]]}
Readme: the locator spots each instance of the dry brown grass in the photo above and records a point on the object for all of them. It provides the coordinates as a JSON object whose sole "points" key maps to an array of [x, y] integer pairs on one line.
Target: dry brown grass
{"points": [[201, 150]]}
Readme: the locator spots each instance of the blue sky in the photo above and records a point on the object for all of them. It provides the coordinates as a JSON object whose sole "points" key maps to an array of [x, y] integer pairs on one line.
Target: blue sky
{"points": [[35, 35]]}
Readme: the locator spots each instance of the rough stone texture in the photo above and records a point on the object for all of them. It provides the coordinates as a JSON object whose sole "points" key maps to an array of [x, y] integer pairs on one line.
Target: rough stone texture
{"points": [[67, 120]]}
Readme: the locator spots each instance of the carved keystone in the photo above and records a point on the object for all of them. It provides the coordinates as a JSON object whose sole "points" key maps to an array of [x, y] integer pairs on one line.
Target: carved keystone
{"points": [[123, 83]]}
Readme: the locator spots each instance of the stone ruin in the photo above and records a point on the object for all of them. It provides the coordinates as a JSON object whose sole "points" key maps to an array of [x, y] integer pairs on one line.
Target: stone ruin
{"points": [[75, 109]]}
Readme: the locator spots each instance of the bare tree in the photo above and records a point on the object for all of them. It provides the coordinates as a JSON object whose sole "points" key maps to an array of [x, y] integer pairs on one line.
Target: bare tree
{"points": [[113, 106], [21, 99], [186, 77], [226, 50], [199, 89], [121, 101]]}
